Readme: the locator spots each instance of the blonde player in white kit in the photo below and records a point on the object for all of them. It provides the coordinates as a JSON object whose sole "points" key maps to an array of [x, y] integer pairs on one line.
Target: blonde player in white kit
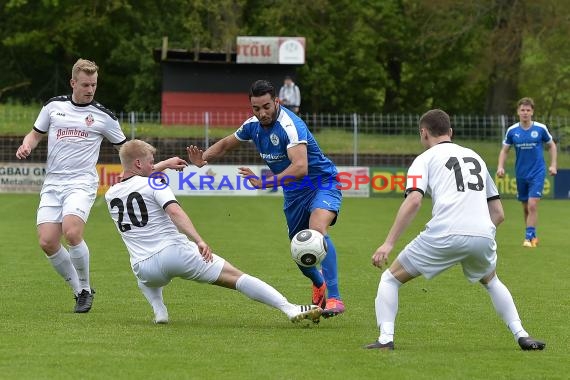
{"points": [[466, 211], [76, 125], [163, 243]]}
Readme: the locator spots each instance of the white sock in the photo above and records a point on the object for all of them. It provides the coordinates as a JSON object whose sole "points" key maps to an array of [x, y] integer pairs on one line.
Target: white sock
{"points": [[260, 291], [505, 306], [62, 265], [153, 296], [80, 258], [387, 306]]}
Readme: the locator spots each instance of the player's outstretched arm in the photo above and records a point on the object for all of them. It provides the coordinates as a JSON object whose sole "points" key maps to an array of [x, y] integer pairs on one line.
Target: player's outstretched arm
{"points": [[217, 150], [29, 143], [185, 226], [175, 163], [195, 155], [405, 215], [298, 168], [254, 180]]}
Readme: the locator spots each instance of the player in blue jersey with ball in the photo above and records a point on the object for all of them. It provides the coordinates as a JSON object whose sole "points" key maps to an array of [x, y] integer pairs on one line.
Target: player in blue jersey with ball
{"points": [[528, 138], [312, 197]]}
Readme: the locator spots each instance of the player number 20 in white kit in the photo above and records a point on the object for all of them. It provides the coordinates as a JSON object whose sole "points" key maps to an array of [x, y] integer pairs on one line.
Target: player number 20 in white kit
{"points": [[134, 219]]}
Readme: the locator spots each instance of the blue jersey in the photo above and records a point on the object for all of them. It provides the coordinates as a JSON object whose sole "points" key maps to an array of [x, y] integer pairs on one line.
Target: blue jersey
{"points": [[528, 145], [272, 143]]}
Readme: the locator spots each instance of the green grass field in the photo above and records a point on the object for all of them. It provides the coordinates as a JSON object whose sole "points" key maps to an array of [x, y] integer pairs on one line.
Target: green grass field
{"points": [[446, 328]]}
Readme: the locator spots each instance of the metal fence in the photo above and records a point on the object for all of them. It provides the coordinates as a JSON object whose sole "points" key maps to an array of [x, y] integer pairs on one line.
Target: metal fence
{"points": [[476, 127], [360, 126], [480, 127]]}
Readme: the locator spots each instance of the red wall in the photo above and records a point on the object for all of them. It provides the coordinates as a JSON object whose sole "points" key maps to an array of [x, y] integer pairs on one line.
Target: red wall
{"points": [[189, 108]]}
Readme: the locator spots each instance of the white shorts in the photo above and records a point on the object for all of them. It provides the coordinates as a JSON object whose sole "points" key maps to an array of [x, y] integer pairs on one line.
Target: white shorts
{"points": [[57, 201], [430, 256], [180, 260]]}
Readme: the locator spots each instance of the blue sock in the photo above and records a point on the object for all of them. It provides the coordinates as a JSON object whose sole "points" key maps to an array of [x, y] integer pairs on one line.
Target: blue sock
{"points": [[330, 270], [530, 233], [314, 274]]}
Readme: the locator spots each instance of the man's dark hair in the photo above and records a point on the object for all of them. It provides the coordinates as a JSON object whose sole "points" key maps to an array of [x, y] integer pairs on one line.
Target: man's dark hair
{"points": [[437, 122], [260, 88]]}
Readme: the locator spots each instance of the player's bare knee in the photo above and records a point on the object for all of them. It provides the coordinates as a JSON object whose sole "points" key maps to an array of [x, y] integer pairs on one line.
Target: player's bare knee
{"points": [[229, 276], [319, 225], [399, 273], [72, 228], [321, 219], [73, 236], [388, 278], [320, 228], [49, 244]]}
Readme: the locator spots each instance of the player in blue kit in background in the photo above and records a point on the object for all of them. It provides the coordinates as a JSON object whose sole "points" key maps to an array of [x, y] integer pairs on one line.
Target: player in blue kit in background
{"points": [[312, 197], [528, 137]]}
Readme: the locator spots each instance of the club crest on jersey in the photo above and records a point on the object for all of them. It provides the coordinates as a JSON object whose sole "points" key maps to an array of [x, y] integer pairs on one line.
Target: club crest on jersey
{"points": [[274, 139], [89, 120], [534, 134]]}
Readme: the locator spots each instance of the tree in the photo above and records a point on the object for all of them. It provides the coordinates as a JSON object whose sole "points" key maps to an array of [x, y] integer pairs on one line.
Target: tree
{"points": [[545, 73], [505, 56], [364, 56]]}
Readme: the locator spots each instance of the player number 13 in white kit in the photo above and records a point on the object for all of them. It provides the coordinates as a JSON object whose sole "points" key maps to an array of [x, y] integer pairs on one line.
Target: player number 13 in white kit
{"points": [[453, 164]]}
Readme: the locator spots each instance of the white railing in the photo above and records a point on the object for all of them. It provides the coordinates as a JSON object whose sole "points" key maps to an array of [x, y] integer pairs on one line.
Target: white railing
{"points": [[479, 127]]}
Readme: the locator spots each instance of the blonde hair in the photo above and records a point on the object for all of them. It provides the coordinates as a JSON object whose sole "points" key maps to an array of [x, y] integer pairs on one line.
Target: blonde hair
{"points": [[134, 149], [527, 102], [88, 67]]}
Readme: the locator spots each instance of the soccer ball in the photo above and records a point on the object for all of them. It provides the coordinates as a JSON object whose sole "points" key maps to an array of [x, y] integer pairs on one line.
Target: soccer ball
{"points": [[308, 248]]}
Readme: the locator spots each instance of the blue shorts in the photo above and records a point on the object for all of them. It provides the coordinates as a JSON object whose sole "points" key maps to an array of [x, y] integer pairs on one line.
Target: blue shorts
{"points": [[529, 188], [298, 209]]}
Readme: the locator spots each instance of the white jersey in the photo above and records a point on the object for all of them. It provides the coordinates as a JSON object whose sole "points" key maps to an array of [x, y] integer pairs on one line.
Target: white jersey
{"points": [[138, 212], [460, 185], [75, 132]]}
